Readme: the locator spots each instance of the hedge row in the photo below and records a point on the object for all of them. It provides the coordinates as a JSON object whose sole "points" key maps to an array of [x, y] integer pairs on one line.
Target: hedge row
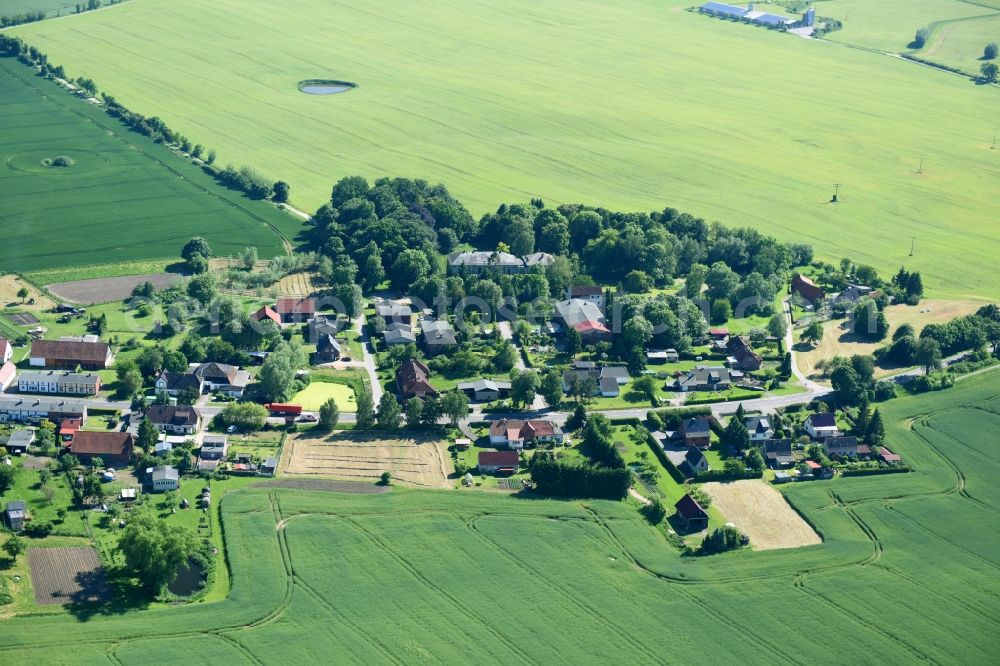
{"points": [[874, 472]]}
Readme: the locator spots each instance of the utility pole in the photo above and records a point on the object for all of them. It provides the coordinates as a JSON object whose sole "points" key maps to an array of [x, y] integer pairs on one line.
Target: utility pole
{"points": [[913, 242], [836, 193], [921, 169], [993, 147]]}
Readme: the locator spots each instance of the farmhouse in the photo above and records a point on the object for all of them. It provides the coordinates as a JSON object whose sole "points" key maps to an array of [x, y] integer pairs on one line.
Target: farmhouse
{"points": [[516, 434], [498, 462], [8, 373], [214, 447], [113, 448], [61, 382], [175, 383], [759, 428], [412, 381], [37, 409], [697, 431], [266, 313], [745, 358], [321, 326], [437, 336], [228, 379], [585, 317], [68, 427], [841, 446], [174, 419], [690, 514], [807, 289], [485, 390], [852, 294], [19, 441], [163, 478], [16, 513], [777, 452], [820, 426], [606, 381], [704, 378], [481, 262], [292, 309], [69, 353], [6, 350]]}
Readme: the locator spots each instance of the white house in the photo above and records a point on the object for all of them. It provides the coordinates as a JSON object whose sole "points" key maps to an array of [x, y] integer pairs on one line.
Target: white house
{"points": [[821, 426], [759, 428], [163, 478], [6, 350]]}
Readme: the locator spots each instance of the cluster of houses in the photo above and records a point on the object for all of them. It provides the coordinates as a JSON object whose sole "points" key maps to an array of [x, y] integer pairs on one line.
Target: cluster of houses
{"points": [[204, 378], [510, 437], [605, 381], [813, 294], [479, 262]]}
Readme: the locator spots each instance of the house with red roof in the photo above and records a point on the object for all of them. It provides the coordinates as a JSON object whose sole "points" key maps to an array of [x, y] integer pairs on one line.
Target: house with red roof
{"points": [[499, 462], [806, 288], [412, 381], [266, 313], [295, 309], [516, 433], [585, 317]]}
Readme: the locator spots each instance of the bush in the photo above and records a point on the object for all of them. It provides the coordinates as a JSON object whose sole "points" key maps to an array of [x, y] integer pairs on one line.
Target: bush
{"points": [[920, 39], [991, 51], [723, 539], [654, 512]]}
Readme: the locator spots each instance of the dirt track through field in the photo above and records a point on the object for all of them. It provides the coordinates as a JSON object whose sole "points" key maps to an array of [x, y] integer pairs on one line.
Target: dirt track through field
{"points": [[763, 513], [420, 462], [103, 290]]}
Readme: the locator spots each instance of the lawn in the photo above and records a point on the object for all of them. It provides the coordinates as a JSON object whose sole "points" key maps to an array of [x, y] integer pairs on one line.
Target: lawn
{"points": [[124, 199], [629, 105], [313, 396], [404, 573]]}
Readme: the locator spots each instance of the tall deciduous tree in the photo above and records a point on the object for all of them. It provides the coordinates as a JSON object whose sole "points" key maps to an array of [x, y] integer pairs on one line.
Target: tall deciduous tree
{"points": [[156, 550], [277, 375], [388, 412], [329, 414]]}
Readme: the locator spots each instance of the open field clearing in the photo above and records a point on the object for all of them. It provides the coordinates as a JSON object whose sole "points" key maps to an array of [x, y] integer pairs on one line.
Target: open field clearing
{"points": [[297, 284], [630, 105], [413, 575], [758, 509], [122, 197], [960, 43], [11, 284], [838, 342], [102, 290], [420, 461], [67, 576], [890, 25], [313, 396]]}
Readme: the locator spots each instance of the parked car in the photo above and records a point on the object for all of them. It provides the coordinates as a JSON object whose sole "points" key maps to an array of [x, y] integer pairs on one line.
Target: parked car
{"points": [[231, 429], [346, 359], [308, 418]]}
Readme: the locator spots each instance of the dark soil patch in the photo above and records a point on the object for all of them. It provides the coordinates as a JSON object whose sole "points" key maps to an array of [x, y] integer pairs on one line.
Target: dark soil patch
{"points": [[67, 576], [103, 290], [331, 485], [23, 318]]}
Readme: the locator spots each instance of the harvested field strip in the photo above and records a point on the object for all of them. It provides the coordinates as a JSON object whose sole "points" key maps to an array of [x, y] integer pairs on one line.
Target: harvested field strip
{"points": [[67, 575]]}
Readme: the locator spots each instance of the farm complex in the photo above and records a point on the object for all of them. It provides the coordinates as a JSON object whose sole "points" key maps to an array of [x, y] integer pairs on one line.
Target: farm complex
{"points": [[563, 332]]}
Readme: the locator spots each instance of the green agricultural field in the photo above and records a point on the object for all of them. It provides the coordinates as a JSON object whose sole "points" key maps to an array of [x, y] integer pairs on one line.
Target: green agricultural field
{"points": [[961, 43], [122, 199], [907, 572], [631, 105], [52, 7]]}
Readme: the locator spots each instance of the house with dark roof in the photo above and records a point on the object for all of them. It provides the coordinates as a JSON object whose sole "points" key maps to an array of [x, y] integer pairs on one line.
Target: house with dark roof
{"points": [[606, 381], [592, 293], [59, 382], [485, 390], [322, 326], [112, 447], [266, 313], [31, 409], [517, 433], [327, 350], [820, 426], [175, 383], [746, 359], [87, 353], [704, 378], [16, 513], [690, 514], [845, 447], [697, 431], [437, 336], [694, 463], [412, 380], [759, 428], [398, 336], [164, 478], [853, 293], [19, 441], [498, 462], [394, 313], [228, 379], [174, 419], [295, 309], [777, 452], [806, 289]]}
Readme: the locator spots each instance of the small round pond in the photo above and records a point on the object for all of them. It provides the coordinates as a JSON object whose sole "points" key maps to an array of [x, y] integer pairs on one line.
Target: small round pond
{"points": [[325, 86]]}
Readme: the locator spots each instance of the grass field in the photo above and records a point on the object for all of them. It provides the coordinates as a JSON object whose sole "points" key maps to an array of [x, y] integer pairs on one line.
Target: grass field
{"points": [[901, 546], [123, 199], [413, 575], [53, 7], [632, 105], [837, 342], [313, 396]]}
